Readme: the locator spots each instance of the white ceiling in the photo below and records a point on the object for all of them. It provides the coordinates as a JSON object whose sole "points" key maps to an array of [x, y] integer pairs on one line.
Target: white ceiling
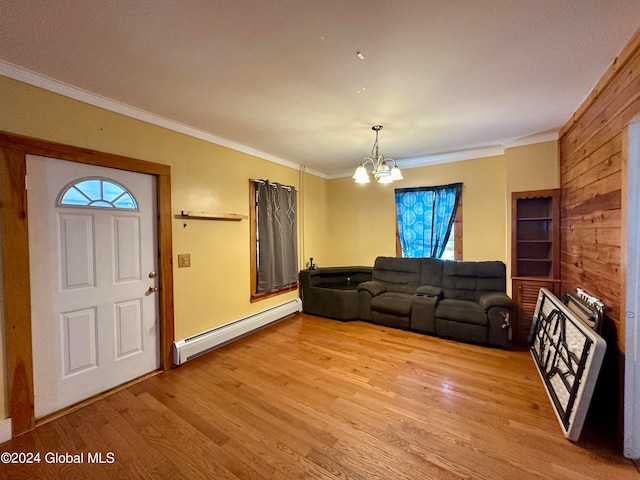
{"points": [[282, 76]]}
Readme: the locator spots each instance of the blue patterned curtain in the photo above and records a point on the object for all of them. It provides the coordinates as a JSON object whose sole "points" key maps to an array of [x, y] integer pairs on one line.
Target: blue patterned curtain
{"points": [[425, 218]]}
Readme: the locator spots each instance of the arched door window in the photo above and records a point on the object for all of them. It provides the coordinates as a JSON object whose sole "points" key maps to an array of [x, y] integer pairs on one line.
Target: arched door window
{"points": [[97, 192]]}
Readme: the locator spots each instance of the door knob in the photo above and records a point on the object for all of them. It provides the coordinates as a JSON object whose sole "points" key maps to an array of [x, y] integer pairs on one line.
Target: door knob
{"points": [[152, 275], [152, 289]]}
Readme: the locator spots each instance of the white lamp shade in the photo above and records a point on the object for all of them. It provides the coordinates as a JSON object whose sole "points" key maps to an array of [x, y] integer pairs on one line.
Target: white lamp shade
{"points": [[396, 174], [385, 179], [383, 170], [361, 175]]}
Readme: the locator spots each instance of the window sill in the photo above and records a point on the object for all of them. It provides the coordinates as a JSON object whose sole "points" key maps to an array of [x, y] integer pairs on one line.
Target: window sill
{"points": [[256, 297]]}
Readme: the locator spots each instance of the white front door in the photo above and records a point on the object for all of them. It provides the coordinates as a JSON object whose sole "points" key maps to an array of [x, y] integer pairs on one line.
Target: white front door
{"points": [[93, 257]]}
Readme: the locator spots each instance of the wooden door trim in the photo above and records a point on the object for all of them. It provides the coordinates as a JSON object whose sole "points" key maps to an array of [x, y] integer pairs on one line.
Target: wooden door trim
{"points": [[15, 257]]}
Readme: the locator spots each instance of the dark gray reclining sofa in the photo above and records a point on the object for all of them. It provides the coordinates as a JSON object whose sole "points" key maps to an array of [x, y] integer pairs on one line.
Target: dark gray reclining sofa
{"points": [[465, 301], [333, 292]]}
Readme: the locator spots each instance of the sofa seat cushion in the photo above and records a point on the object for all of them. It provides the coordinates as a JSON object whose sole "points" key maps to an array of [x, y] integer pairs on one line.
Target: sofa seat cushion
{"points": [[463, 311], [392, 302]]}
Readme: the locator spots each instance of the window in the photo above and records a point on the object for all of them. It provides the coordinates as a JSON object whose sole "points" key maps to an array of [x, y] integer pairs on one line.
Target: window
{"points": [[274, 245], [425, 221], [449, 250], [98, 193]]}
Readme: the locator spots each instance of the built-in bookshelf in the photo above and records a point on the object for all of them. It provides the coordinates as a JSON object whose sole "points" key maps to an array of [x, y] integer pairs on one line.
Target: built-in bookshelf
{"points": [[535, 252]]}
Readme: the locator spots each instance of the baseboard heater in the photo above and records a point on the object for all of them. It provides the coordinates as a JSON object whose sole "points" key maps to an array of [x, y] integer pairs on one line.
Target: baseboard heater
{"points": [[568, 354], [196, 345]]}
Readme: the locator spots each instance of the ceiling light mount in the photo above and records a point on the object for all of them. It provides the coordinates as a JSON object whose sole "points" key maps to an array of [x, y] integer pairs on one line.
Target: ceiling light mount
{"points": [[380, 165]]}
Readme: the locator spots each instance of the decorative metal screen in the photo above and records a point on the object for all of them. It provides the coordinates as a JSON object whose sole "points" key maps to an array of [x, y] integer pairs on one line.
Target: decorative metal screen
{"points": [[568, 355]]}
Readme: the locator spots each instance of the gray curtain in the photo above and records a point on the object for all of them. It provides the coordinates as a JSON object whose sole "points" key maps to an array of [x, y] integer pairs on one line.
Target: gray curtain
{"points": [[277, 235]]}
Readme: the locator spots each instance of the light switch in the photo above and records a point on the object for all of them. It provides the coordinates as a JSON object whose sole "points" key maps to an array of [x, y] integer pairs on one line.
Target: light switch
{"points": [[184, 260]]}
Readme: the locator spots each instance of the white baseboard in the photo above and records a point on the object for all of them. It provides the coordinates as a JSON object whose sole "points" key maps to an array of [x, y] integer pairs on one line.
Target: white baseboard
{"points": [[5, 430], [196, 345]]}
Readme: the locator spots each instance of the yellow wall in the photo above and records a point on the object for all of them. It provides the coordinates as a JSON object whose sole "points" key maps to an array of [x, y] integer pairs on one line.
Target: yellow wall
{"points": [[531, 167], [315, 215], [362, 217], [215, 289], [344, 223]]}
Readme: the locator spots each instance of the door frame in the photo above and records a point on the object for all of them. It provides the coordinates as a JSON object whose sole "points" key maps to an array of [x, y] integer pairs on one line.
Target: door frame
{"points": [[630, 270], [15, 257]]}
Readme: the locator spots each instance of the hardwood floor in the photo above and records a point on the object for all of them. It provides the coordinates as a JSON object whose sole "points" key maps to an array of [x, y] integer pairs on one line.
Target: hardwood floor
{"points": [[317, 398]]}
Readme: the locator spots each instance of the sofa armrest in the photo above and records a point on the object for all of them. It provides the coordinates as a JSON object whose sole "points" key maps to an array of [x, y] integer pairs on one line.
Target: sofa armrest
{"points": [[495, 299], [374, 288], [498, 306], [429, 291], [339, 275]]}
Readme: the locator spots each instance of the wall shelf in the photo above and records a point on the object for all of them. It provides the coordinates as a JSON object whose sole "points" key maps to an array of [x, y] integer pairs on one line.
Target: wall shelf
{"points": [[214, 216]]}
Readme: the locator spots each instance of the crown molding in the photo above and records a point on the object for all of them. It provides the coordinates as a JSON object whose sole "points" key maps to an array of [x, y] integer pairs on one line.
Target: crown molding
{"points": [[546, 136], [482, 152], [423, 161], [471, 154], [35, 79]]}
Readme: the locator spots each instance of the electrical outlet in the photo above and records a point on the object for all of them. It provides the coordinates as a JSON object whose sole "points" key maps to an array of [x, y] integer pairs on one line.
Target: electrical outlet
{"points": [[184, 260]]}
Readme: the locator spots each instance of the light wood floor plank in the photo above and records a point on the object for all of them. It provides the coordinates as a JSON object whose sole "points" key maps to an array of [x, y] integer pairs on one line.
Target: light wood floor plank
{"points": [[322, 399]]}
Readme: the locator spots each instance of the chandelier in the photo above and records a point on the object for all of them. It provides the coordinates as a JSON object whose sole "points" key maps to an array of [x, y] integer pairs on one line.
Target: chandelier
{"points": [[381, 170]]}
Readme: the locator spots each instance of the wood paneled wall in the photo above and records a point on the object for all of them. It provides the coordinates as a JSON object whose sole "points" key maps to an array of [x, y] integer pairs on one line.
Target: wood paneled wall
{"points": [[592, 165]]}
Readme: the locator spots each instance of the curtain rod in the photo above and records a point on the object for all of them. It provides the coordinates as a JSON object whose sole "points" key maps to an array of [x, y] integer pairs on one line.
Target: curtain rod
{"points": [[273, 184]]}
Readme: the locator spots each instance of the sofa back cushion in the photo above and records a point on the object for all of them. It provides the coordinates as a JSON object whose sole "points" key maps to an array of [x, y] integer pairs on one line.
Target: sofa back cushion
{"points": [[432, 272], [397, 274], [471, 280]]}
